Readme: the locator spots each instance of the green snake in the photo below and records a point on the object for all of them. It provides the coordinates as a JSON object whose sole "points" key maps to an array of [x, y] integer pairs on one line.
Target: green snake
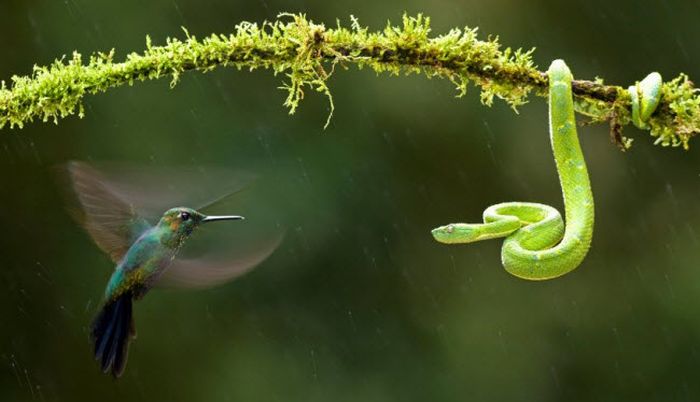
{"points": [[537, 244]]}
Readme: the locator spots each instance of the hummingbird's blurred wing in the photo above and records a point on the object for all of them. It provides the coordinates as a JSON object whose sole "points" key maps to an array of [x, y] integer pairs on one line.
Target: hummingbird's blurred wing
{"points": [[205, 272], [110, 221], [151, 190]]}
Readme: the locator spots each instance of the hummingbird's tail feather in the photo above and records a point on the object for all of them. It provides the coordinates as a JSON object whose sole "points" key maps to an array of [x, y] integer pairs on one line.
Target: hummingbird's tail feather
{"points": [[111, 332]]}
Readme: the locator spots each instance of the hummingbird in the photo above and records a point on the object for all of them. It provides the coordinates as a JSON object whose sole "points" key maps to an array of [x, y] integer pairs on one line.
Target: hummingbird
{"points": [[145, 257]]}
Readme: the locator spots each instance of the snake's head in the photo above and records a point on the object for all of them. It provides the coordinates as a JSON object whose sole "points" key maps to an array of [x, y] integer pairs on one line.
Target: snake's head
{"points": [[456, 233]]}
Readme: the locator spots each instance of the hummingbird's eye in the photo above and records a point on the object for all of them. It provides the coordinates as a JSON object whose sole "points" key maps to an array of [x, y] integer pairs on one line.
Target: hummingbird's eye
{"points": [[184, 216]]}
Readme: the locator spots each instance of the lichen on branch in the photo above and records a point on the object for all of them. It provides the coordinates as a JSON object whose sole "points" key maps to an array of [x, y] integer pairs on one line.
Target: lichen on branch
{"points": [[308, 53]]}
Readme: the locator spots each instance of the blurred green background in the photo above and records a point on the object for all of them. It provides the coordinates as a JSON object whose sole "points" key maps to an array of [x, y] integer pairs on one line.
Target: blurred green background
{"points": [[359, 303]]}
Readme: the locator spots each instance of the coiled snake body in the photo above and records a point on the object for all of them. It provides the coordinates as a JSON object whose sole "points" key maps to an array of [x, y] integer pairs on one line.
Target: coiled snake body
{"points": [[537, 244]]}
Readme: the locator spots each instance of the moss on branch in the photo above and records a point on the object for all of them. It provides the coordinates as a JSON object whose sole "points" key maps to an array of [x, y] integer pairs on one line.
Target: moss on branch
{"points": [[308, 53]]}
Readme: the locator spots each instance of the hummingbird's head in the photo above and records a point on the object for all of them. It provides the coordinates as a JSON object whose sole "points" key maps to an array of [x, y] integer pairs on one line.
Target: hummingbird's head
{"points": [[182, 221]]}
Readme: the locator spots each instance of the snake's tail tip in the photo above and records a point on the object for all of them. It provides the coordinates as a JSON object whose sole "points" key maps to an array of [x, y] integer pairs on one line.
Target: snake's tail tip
{"points": [[558, 62], [655, 75]]}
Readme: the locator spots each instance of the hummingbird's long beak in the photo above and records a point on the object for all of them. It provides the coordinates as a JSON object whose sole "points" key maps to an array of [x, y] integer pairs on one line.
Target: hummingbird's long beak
{"points": [[222, 218]]}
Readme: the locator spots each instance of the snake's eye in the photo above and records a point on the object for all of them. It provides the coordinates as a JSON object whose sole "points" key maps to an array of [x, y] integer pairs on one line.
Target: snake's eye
{"points": [[185, 216], [450, 228]]}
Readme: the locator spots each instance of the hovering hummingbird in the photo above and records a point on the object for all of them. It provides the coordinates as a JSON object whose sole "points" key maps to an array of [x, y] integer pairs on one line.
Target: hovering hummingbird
{"points": [[145, 257]]}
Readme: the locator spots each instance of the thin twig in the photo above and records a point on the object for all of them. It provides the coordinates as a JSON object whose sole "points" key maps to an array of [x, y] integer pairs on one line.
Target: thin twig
{"points": [[308, 53]]}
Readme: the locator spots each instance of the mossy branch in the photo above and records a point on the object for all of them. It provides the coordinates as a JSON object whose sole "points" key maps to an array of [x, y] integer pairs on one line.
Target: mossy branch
{"points": [[308, 53]]}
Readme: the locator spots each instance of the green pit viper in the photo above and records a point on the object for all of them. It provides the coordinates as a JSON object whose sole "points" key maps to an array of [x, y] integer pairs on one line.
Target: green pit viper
{"points": [[537, 244]]}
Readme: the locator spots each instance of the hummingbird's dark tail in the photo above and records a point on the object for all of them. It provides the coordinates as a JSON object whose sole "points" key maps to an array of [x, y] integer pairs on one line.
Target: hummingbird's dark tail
{"points": [[111, 332]]}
